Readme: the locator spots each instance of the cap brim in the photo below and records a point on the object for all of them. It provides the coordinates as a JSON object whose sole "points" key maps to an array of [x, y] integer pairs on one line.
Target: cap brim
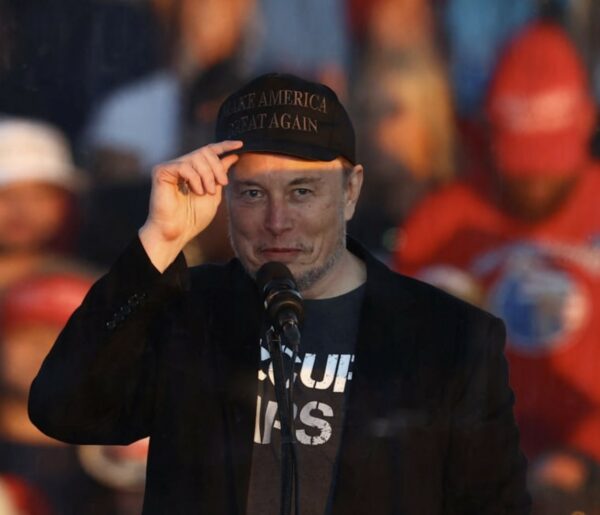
{"points": [[288, 148]]}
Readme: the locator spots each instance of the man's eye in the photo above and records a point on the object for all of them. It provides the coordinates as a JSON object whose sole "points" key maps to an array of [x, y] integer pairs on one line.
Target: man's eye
{"points": [[302, 192], [252, 194]]}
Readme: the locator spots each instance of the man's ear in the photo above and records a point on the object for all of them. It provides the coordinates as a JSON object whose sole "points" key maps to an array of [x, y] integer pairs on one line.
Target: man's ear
{"points": [[353, 185]]}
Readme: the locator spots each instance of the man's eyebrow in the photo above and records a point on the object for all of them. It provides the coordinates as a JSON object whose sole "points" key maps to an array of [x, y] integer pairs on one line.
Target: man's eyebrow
{"points": [[294, 182], [246, 182], [305, 180]]}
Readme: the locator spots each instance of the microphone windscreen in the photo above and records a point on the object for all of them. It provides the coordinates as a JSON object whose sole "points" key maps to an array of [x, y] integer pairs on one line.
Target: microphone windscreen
{"points": [[274, 270], [279, 291]]}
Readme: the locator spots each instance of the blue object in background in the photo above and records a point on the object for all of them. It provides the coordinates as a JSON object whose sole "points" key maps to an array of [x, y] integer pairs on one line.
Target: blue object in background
{"points": [[303, 35], [477, 30]]}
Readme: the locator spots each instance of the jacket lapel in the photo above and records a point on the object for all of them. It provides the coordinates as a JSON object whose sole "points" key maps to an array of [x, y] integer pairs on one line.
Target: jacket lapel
{"points": [[383, 353], [239, 328]]}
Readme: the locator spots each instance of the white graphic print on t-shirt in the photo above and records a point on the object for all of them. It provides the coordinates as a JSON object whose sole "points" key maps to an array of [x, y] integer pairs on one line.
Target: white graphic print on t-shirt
{"points": [[313, 385]]}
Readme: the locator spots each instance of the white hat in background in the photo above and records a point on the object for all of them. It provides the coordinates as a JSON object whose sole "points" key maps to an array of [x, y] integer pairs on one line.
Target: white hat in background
{"points": [[35, 151]]}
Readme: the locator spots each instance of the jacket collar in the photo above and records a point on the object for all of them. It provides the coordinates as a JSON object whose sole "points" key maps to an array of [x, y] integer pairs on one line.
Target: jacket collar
{"points": [[379, 287]]}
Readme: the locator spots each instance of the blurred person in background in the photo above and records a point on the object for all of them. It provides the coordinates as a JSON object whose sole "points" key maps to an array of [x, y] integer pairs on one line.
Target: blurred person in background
{"points": [[403, 99], [122, 468], [144, 122], [38, 197], [383, 26], [17, 497], [526, 246], [407, 126], [565, 482], [474, 33], [33, 310]]}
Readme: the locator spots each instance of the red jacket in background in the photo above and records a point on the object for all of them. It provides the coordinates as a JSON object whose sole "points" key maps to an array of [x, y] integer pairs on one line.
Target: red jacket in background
{"points": [[543, 279]]}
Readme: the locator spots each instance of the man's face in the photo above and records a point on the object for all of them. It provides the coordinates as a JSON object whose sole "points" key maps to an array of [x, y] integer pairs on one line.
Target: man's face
{"points": [[290, 210], [211, 29], [31, 214], [533, 198]]}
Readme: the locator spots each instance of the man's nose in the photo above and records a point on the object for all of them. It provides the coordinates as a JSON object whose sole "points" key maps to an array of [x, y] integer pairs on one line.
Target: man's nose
{"points": [[278, 217]]}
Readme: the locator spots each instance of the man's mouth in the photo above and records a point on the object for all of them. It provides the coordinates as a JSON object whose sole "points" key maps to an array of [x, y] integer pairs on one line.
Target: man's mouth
{"points": [[280, 253], [280, 250]]}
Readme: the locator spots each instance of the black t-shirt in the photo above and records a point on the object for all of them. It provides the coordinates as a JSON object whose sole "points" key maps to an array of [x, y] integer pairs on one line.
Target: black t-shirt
{"points": [[323, 369]]}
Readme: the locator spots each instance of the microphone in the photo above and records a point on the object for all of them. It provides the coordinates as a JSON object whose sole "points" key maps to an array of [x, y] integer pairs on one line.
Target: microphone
{"points": [[281, 298], [283, 305]]}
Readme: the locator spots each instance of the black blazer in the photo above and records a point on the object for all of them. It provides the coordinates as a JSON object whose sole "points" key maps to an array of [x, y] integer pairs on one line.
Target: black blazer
{"points": [[429, 427]]}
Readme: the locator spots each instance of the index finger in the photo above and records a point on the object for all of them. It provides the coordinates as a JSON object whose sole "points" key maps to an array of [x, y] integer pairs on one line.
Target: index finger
{"points": [[222, 147]]}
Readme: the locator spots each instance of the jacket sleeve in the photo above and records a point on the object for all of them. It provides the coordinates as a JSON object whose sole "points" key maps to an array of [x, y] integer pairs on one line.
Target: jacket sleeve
{"points": [[486, 470], [97, 384]]}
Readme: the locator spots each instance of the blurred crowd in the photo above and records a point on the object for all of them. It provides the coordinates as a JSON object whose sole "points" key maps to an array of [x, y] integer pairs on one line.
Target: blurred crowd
{"points": [[477, 124]]}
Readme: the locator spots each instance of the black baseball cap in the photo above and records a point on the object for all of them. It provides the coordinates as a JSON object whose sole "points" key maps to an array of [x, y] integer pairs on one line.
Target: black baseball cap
{"points": [[284, 114]]}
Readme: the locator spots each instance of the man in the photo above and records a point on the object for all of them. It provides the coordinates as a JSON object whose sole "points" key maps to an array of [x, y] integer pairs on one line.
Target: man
{"points": [[528, 250], [402, 397], [33, 310], [38, 191]]}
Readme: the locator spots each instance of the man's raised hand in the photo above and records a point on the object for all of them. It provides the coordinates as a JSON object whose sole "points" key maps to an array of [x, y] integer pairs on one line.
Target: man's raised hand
{"points": [[186, 193]]}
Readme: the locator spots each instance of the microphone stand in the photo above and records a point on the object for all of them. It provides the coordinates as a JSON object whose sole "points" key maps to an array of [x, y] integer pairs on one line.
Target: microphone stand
{"points": [[289, 464]]}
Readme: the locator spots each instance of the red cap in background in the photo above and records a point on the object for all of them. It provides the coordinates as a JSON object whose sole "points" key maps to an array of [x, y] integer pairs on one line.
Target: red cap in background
{"points": [[539, 105], [48, 299], [17, 497]]}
